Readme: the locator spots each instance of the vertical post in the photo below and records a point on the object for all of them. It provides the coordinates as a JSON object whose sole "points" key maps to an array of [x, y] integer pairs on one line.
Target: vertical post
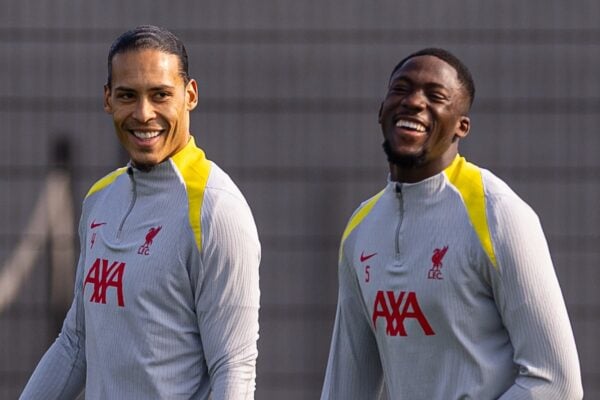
{"points": [[61, 233]]}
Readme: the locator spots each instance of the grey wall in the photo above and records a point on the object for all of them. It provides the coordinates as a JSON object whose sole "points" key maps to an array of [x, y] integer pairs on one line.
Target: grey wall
{"points": [[289, 93]]}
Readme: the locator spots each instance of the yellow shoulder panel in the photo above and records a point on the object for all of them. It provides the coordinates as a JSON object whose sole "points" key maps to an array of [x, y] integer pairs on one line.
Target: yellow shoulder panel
{"points": [[104, 182], [466, 177], [357, 218], [195, 169]]}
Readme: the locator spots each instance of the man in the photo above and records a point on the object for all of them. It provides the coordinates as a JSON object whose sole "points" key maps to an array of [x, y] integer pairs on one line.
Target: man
{"points": [[166, 292], [447, 290]]}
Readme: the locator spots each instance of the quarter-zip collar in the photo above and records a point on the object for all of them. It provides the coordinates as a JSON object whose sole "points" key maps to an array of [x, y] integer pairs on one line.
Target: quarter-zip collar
{"points": [[160, 176], [422, 191]]}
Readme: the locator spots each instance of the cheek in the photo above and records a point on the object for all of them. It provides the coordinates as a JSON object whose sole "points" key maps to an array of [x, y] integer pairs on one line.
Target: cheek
{"points": [[386, 115], [120, 114], [388, 106]]}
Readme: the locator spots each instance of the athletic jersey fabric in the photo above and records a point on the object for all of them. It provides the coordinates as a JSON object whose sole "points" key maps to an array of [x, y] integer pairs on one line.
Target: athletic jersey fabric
{"points": [[447, 291], [166, 295]]}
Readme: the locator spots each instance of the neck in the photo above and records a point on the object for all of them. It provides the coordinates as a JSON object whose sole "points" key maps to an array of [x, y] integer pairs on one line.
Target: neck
{"points": [[417, 173]]}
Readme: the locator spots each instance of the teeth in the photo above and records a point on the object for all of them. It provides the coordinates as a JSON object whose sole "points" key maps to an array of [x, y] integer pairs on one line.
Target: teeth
{"points": [[145, 134], [402, 123]]}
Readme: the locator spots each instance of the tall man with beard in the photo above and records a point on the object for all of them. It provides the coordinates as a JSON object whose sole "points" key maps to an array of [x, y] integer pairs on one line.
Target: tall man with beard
{"points": [[446, 286], [166, 293]]}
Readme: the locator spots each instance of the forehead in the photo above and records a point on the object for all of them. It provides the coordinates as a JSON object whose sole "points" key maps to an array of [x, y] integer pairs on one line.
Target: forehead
{"points": [[145, 66], [427, 70]]}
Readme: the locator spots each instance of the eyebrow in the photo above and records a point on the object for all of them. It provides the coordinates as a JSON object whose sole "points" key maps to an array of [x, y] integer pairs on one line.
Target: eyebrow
{"points": [[428, 85], [154, 88]]}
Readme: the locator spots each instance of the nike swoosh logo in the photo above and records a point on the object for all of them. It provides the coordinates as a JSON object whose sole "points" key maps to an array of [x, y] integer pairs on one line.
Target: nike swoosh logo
{"points": [[364, 258], [96, 224]]}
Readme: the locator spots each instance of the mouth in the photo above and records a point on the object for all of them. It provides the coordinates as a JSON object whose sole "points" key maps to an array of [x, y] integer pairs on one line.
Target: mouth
{"points": [[146, 134], [411, 125]]}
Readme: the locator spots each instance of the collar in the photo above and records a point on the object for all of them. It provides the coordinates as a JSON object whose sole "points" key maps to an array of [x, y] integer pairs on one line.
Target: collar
{"points": [[185, 153], [426, 187]]}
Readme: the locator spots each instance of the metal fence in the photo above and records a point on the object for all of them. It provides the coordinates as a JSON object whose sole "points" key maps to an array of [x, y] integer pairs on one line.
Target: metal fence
{"points": [[289, 93]]}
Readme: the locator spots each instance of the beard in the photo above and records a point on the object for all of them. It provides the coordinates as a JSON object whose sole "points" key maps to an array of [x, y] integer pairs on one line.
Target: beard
{"points": [[403, 160]]}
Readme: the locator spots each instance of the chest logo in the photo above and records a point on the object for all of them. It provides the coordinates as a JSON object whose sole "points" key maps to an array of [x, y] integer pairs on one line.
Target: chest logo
{"points": [[145, 248], [103, 276], [395, 310], [436, 259], [364, 258], [95, 225]]}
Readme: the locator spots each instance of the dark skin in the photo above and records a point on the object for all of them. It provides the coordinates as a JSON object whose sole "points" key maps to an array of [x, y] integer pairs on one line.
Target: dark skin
{"points": [[422, 117]]}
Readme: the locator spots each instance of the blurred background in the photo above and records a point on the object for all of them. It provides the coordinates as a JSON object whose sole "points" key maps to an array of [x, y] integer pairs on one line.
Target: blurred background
{"points": [[289, 94]]}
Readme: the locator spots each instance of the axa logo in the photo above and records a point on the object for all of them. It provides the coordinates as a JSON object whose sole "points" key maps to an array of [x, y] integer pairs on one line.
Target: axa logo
{"points": [[436, 259], [104, 275], [145, 248], [395, 310]]}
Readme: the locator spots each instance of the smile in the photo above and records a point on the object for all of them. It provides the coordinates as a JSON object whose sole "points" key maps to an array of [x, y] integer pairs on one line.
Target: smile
{"points": [[412, 125], [145, 135]]}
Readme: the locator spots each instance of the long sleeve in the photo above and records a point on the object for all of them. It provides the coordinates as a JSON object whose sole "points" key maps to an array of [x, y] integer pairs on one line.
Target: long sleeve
{"points": [[532, 308], [61, 372], [354, 369], [229, 294]]}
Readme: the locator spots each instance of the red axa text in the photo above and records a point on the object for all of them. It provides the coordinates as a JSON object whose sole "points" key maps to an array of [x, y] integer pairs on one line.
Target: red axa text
{"points": [[396, 309], [104, 276]]}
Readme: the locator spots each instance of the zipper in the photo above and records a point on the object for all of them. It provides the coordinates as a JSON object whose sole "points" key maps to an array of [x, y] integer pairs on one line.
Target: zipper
{"points": [[131, 204], [401, 211]]}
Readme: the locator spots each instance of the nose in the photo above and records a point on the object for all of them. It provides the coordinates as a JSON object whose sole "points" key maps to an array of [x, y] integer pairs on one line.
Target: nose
{"points": [[414, 100], [144, 111]]}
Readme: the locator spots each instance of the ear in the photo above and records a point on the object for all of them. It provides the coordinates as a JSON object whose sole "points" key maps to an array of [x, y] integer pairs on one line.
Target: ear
{"points": [[463, 126], [379, 114], [107, 100], [191, 95]]}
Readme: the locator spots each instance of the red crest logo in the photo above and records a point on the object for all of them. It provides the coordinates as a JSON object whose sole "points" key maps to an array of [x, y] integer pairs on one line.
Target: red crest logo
{"points": [[436, 259], [145, 248]]}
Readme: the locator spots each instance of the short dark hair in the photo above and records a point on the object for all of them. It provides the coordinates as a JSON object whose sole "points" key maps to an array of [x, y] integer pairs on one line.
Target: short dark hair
{"points": [[464, 75], [150, 37]]}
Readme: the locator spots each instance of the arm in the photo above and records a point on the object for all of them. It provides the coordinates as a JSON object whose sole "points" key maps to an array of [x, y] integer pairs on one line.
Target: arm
{"points": [[354, 367], [228, 296], [60, 373], [530, 302]]}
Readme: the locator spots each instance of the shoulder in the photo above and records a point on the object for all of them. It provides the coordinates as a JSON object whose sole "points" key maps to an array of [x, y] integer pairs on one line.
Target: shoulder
{"points": [[106, 181], [205, 181], [214, 201], [502, 201], [220, 184], [359, 215], [480, 188], [515, 227], [223, 199], [227, 220], [494, 209]]}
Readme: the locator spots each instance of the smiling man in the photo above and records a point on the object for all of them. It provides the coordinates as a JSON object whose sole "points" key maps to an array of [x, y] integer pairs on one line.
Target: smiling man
{"points": [[166, 293], [446, 286]]}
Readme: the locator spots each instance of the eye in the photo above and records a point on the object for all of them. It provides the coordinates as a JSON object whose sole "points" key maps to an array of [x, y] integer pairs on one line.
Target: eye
{"points": [[399, 88], [162, 96], [438, 96], [125, 96]]}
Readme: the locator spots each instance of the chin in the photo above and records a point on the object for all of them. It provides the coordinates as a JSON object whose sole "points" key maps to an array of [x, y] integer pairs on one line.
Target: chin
{"points": [[404, 160], [145, 163]]}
